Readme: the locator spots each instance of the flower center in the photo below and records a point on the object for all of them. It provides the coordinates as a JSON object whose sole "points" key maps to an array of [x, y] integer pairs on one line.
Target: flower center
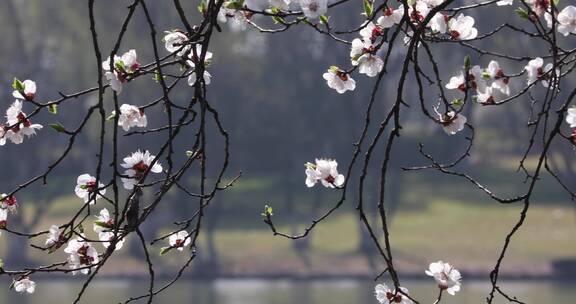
{"points": [[330, 179], [342, 75], [393, 298]]}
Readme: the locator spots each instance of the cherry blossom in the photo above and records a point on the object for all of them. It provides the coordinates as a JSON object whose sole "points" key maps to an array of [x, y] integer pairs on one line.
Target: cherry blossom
{"points": [[123, 67], [363, 55], [439, 23], [539, 6], [179, 240], [462, 28], [174, 42], [571, 117], [536, 71], [239, 18], [325, 171], [131, 116], [3, 219], [26, 90], [193, 60], [104, 226], [339, 80], [18, 124], [446, 276], [452, 123], [475, 80], [55, 239], [490, 95], [390, 17], [281, 4], [505, 2], [25, 285], [495, 73], [417, 12], [136, 165], [86, 187], [9, 203], [370, 32], [567, 21], [385, 295], [313, 8], [81, 255]]}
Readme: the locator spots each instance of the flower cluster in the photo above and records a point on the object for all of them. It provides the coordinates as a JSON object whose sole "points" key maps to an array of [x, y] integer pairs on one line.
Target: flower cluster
{"points": [[82, 256], [177, 42], [17, 123], [8, 204], [121, 69], [444, 274]]}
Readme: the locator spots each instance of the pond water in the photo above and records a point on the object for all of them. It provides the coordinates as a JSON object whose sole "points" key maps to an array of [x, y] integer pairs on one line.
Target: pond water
{"points": [[235, 291]]}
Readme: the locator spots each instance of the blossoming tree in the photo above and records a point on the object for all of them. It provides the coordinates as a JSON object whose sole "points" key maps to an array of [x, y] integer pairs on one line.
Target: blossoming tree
{"points": [[112, 197]]}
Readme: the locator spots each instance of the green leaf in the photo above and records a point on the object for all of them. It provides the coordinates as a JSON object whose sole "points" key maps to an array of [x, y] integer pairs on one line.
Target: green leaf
{"points": [[458, 102], [278, 19], [324, 19], [202, 7], [467, 63], [522, 13], [53, 108], [156, 76], [268, 211], [368, 8], [235, 5], [58, 127], [17, 85], [165, 250], [333, 69], [111, 116], [103, 224], [120, 66]]}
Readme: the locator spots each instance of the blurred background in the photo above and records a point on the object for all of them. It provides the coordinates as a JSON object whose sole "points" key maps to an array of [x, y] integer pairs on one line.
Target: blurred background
{"points": [[280, 115]]}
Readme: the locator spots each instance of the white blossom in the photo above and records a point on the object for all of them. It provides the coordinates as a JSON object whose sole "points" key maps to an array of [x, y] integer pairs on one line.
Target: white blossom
{"points": [[175, 41], [3, 219], [446, 276], [25, 285], [81, 255], [28, 92], [537, 71], [462, 28], [104, 227], [281, 4], [385, 295], [452, 123], [239, 18], [193, 61], [500, 81], [505, 2], [131, 116], [54, 236], [567, 21], [136, 165], [179, 240], [339, 80], [86, 187], [122, 68], [390, 17], [325, 171], [363, 55], [438, 23], [313, 8], [18, 124], [571, 117], [9, 203]]}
